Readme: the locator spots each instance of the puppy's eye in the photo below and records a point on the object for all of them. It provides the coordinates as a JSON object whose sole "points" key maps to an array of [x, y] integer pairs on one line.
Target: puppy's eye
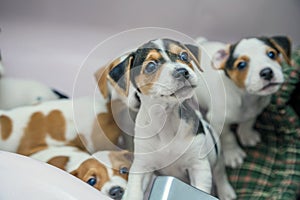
{"points": [[124, 170], [242, 65], [92, 181], [151, 67], [184, 56], [271, 54]]}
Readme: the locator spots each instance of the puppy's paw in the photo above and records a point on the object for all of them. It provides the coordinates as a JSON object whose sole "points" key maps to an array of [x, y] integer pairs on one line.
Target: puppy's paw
{"points": [[249, 137], [234, 157], [226, 192]]}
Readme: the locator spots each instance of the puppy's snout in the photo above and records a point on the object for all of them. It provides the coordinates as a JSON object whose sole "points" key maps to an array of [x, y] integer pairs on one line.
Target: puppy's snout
{"points": [[181, 74], [116, 192], [266, 73]]}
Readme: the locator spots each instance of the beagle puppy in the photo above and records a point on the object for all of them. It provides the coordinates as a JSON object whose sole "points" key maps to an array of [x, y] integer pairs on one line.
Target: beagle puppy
{"points": [[171, 137], [109, 177], [86, 123], [238, 82]]}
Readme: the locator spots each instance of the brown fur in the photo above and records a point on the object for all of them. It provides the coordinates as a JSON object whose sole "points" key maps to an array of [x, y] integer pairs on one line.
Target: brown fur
{"points": [[239, 76], [79, 142], [6, 126], [34, 137], [120, 159], [282, 51], [59, 162], [174, 49], [92, 168], [144, 81], [101, 78], [106, 129]]}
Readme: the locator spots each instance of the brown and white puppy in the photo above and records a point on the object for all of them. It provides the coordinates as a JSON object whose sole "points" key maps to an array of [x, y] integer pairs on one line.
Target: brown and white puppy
{"points": [[240, 79], [171, 138], [109, 177], [85, 122]]}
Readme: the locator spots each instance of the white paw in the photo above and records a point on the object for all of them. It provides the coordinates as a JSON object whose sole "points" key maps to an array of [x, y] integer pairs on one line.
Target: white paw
{"points": [[234, 157], [226, 192], [249, 137]]}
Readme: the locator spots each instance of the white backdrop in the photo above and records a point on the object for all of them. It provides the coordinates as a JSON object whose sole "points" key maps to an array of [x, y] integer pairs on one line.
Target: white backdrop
{"points": [[47, 40]]}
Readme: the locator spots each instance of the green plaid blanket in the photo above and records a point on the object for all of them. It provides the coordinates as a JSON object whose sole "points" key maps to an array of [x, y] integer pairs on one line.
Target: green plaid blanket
{"points": [[272, 168]]}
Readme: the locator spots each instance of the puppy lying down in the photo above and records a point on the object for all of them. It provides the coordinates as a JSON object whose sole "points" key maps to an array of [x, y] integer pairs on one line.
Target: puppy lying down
{"points": [[106, 171]]}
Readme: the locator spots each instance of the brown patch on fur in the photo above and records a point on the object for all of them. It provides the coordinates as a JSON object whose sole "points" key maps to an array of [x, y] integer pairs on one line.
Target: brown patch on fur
{"points": [[239, 76], [277, 58], [120, 159], [79, 141], [92, 168], [281, 50], [56, 125], [101, 78], [106, 132], [6, 126], [144, 81], [59, 162], [39, 125], [175, 49], [126, 76]]}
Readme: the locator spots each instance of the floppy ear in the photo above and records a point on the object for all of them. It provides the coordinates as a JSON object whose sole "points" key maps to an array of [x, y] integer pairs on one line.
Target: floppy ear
{"points": [[220, 57], [101, 78], [196, 55], [119, 75], [283, 45]]}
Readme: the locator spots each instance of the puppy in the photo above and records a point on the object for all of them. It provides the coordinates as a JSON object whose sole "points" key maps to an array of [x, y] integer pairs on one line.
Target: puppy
{"points": [[20, 92], [85, 122], [171, 138], [110, 177], [240, 79]]}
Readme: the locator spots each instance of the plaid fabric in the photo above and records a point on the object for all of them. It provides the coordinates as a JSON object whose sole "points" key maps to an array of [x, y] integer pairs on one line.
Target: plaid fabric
{"points": [[272, 168]]}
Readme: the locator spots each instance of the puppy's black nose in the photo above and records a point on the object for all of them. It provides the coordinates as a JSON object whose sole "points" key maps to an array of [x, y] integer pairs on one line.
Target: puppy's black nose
{"points": [[181, 73], [116, 192], [266, 73]]}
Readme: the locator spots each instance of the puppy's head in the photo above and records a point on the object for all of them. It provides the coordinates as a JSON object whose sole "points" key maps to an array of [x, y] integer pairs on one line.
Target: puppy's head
{"points": [[161, 68], [254, 64], [110, 179]]}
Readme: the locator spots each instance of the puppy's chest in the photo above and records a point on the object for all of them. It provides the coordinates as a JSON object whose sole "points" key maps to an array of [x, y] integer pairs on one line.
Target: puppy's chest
{"points": [[246, 108]]}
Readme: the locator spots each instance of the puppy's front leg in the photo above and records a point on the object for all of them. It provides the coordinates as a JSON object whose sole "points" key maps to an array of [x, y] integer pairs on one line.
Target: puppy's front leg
{"points": [[200, 175], [137, 185], [247, 135], [224, 189], [233, 154]]}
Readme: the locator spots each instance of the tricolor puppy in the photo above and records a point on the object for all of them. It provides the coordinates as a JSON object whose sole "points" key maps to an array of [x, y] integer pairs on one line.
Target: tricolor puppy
{"points": [[240, 79], [85, 122], [171, 138], [109, 177]]}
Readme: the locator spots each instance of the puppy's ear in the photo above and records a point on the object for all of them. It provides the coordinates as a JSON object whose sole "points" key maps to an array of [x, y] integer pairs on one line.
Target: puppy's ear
{"points": [[119, 75], [195, 53], [220, 57], [283, 45], [101, 78]]}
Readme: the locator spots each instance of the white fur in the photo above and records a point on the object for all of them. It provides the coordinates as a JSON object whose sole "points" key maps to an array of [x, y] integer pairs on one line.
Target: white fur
{"points": [[18, 92], [79, 114], [226, 103]]}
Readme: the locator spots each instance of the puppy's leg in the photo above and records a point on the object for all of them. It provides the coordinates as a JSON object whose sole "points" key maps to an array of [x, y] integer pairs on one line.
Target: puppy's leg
{"points": [[224, 189], [200, 175], [233, 154], [247, 135], [137, 185]]}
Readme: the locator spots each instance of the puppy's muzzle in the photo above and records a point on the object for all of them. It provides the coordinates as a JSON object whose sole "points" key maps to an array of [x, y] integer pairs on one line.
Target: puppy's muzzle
{"points": [[116, 192], [181, 74], [266, 74]]}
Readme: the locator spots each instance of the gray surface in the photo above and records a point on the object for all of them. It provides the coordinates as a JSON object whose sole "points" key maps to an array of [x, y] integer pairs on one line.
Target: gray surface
{"points": [[47, 40], [169, 188]]}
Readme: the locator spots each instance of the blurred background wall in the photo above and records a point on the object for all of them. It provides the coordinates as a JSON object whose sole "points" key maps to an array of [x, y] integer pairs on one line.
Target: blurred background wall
{"points": [[47, 40]]}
